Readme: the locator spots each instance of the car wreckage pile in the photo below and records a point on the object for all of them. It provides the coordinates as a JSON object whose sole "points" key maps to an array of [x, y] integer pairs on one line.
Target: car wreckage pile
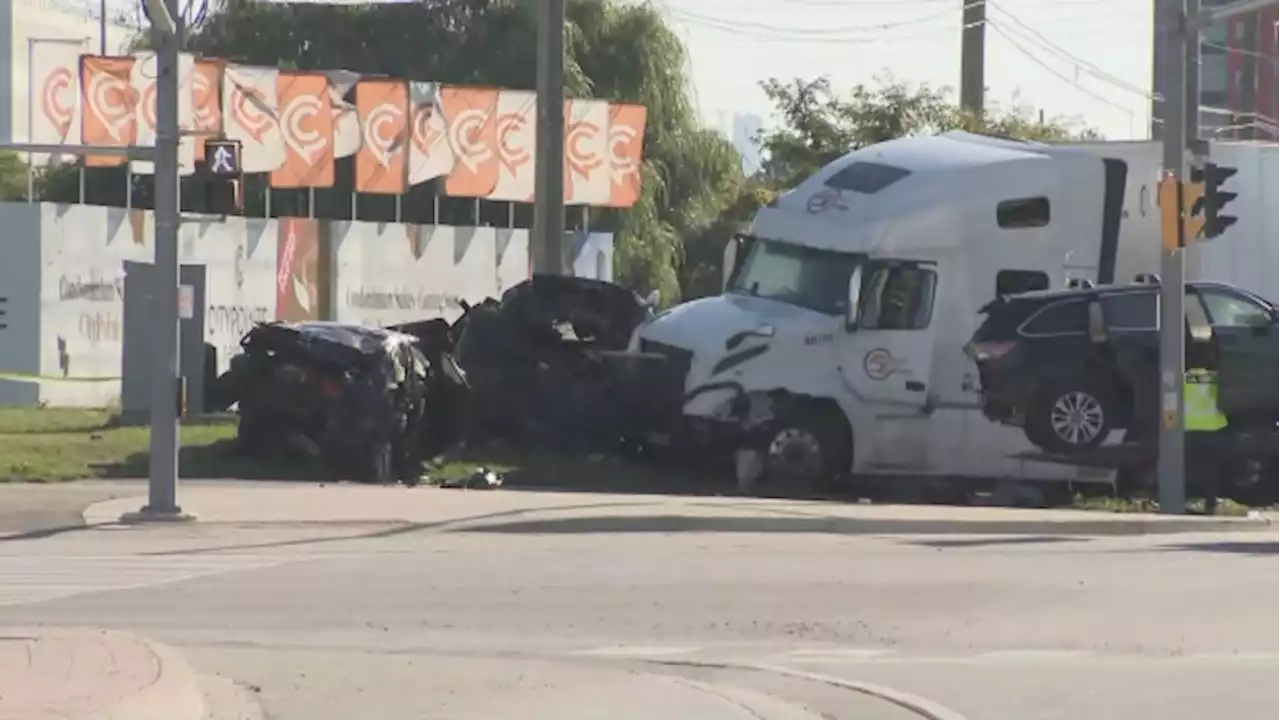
{"points": [[546, 365]]}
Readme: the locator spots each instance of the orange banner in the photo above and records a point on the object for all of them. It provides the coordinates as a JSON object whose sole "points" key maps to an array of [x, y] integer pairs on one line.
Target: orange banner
{"points": [[306, 124], [381, 164], [206, 102], [109, 118], [470, 114], [626, 153]]}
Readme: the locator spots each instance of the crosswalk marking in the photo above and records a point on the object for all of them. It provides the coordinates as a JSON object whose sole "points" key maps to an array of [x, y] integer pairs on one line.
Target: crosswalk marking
{"points": [[636, 651], [1033, 655], [26, 579], [816, 656], [828, 654]]}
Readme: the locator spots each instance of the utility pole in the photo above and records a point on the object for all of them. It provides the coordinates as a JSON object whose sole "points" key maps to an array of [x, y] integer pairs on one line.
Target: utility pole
{"points": [[1179, 26], [547, 243], [1171, 464], [166, 392], [973, 55]]}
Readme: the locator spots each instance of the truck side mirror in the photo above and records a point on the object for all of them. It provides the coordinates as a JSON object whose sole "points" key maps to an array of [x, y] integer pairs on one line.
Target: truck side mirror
{"points": [[854, 300]]}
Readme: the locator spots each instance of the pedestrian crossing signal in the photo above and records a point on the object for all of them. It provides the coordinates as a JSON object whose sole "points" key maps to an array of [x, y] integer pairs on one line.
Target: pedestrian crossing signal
{"points": [[223, 158]]}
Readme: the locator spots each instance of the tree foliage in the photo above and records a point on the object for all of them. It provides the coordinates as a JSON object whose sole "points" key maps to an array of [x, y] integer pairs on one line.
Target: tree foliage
{"points": [[614, 51], [818, 125]]}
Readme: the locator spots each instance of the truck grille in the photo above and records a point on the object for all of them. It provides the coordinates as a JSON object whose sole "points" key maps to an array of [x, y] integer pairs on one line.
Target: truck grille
{"points": [[678, 362]]}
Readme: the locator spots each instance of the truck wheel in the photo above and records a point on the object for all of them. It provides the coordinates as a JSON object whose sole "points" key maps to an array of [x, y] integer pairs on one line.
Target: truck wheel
{"points": [[1070, 417], [803, 451]]}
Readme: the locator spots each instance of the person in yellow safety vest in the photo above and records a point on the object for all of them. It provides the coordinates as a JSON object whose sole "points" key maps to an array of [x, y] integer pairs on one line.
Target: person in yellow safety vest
{"points": [[1202, 414], [1200, 399]]}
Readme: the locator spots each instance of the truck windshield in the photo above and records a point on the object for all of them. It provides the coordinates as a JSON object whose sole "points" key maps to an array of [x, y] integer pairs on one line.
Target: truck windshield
{"points": [[796, 274]]}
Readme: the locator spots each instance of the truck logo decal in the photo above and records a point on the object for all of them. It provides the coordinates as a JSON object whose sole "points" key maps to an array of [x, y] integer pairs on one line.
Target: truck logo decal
{"points": [[824, 200], [879, 364]]}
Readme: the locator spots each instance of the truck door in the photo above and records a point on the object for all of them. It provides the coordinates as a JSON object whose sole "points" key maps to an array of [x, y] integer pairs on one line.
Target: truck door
{"points": [[887, 356], [1244, 335]]}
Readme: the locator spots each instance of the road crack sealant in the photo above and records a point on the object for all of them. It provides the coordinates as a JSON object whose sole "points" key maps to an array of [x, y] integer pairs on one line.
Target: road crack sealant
{"points": [[923, 707]]}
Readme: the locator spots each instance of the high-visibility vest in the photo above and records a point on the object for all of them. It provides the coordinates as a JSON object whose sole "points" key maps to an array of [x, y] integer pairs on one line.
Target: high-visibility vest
{"points": [[1200, 397]]}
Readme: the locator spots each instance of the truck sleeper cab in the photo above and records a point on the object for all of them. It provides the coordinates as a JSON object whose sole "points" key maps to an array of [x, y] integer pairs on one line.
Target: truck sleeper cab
{"points": [[837, 346]]}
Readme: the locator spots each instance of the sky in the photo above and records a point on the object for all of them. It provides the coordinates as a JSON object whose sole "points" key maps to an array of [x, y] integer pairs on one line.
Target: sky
{"points": [[1084, 59]]}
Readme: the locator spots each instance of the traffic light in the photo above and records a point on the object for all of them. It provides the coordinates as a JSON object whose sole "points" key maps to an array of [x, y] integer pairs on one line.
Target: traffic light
{"points": [[1212, 199]]}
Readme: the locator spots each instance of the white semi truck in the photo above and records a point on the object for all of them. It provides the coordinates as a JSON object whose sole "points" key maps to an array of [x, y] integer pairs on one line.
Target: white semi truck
{"points": [[838, 345]]}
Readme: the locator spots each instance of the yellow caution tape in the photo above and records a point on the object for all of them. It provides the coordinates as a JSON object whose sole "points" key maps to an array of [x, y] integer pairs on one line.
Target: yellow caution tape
{"points": [[34, 377]]}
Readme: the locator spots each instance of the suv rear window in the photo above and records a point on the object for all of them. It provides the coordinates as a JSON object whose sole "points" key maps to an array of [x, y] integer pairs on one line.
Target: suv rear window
{"points": [[1060, 318], [1002, 319]]}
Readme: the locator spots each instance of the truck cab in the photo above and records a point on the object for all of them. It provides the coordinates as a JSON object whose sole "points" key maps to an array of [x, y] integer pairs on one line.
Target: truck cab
{"points": [[837, 346]]}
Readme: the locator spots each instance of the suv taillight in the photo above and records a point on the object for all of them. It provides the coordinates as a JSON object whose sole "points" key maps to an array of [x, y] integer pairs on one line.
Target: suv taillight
{"points": [[984, 351]]}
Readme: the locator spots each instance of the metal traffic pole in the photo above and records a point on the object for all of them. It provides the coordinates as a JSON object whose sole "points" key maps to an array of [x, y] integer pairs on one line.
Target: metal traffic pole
{"points": [[1171, 464], [548, 205], [162, 495], [1180, 27]]}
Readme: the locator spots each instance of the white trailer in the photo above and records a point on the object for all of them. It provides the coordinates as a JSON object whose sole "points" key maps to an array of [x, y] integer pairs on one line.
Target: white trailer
{"points": [[838, 344]]}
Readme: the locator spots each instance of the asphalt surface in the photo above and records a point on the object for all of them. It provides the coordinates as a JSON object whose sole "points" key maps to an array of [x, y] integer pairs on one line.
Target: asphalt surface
{"points": [[491, 620]]}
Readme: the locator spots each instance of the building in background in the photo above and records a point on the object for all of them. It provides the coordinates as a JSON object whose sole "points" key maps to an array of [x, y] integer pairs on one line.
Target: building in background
{"points": [[1237, 77], [22, 21], [741, 128]]}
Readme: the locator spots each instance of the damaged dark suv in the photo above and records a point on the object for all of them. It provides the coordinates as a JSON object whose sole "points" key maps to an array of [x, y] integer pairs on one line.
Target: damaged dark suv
{"points": [[548, 363], [1069, 366]]}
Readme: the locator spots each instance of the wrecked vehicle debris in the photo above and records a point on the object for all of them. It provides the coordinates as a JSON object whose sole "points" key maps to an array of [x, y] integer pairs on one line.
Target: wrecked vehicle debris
{"points": [[352, 396], [548, 363], [447, 417]]}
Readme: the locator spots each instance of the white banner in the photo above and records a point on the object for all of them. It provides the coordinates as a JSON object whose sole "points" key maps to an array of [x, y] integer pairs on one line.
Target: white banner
{"points": [[430, 155], [586, 153], [250, 114], [346, 122], [54, 103], [517, 141]]}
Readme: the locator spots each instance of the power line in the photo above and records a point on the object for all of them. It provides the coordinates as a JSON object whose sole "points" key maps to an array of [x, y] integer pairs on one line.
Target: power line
{"points": [[1036, 37], [1053, 71], [756, 27]]}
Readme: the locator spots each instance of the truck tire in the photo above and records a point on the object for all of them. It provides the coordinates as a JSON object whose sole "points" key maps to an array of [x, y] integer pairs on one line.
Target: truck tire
{"points": [[1071, 417], [804, 450]]}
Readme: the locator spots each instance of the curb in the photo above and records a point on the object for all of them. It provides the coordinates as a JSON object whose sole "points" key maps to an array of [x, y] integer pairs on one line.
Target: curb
{"points": [[665, 517], [825, 524], [173, 694]]}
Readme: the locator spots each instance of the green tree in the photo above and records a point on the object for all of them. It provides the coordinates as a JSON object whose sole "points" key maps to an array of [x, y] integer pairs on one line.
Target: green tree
{"points": [[13, 177], [819, 125], [614, 51]]}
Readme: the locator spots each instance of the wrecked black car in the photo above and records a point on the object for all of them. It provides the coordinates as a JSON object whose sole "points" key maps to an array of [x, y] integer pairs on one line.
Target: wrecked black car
{"points": [[352, 396], [547, 364]]}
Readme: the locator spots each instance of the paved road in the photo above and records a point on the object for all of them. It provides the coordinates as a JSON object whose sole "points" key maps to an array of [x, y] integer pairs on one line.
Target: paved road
{"points": [[353, 621]]}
